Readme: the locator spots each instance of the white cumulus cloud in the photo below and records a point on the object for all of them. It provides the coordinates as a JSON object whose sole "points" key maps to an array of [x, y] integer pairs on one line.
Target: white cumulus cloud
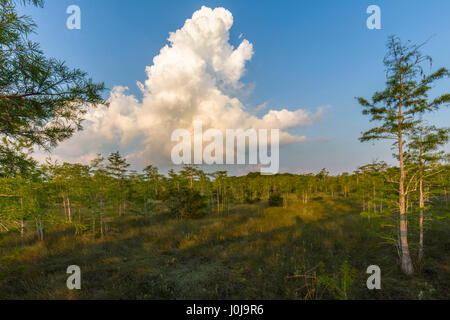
{"points": [[190, 79]]}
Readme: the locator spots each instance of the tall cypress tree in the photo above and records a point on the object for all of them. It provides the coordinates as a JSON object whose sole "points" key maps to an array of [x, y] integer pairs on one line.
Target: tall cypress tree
{"points": [[396, 109]]}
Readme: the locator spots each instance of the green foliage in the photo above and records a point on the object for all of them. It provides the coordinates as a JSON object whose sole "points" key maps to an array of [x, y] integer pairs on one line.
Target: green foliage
{"points": [[80, 228], [407, 86], [427, 292], [8, 265], [185, 203], [90, 195], [42, 101], [275, 200], [339, 286]]}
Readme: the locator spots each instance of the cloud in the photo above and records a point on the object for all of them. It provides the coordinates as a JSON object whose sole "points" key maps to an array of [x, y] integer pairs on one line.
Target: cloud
{"points": [[190, 79]]}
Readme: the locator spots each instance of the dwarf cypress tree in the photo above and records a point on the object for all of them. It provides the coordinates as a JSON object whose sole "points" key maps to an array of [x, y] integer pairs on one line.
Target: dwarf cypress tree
{"points": [[426, 155]]}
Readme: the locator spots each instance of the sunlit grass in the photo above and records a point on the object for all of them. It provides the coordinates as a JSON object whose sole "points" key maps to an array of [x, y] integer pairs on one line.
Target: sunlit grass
{"points": [[249, 253]]}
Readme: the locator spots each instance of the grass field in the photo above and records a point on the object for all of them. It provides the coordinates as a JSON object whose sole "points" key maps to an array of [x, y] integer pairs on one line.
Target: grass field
{"points": [[318, 250]]}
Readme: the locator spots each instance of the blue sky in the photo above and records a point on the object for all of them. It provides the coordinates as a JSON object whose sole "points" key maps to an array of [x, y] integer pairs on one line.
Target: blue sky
{"points": [[306, 54]]}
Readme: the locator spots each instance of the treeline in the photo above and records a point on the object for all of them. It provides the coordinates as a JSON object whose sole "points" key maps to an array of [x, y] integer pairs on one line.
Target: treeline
{"points": [[89, 197]]}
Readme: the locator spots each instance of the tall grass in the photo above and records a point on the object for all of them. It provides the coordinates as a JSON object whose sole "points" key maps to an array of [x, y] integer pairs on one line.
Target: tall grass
{"points": [[253, 252]]}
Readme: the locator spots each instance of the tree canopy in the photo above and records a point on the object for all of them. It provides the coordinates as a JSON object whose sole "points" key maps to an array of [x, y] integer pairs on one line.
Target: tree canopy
{"points": [[42, 100]]}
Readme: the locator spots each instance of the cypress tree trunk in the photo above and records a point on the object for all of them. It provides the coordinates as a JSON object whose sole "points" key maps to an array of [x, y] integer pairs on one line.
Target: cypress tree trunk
{"points": [[421, 204], [21, 220], [68, 210], [40, 230], [64, 204], [406, 263]]}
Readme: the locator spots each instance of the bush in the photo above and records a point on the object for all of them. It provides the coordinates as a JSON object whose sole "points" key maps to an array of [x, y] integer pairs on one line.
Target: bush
{"points": [[275, 200], [186, 203]]}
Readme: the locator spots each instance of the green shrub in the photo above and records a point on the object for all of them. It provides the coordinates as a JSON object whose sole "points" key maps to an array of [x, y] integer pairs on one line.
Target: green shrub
{"points": [[339, 286], [275, 200], [186, 203]]}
